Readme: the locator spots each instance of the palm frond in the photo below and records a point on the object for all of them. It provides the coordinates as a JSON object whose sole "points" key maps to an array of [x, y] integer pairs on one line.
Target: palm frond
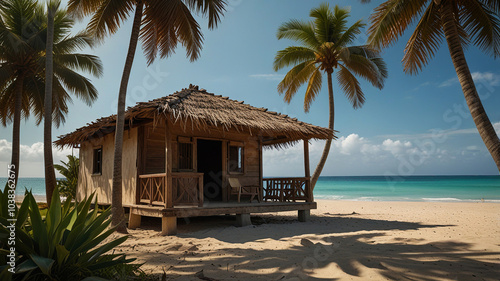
{"points": [[391, 19], [109, 16], [299, 31], [425, 40], [292, 55], [494, 5], [76, 83], [350, 34], [313, 88], [297, 76], [214, 9], [60, 101], [74, 43], [482, 24], [371, 68], [351, 87], [325, 22], [165, 24], [82, 8], [80, 62]]}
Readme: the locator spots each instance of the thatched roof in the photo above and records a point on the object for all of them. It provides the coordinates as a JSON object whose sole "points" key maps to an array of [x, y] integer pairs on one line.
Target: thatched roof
{"points": [[206, 110]]}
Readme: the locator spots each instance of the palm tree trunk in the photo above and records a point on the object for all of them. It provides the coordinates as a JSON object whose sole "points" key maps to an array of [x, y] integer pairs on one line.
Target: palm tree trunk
{"points": [[118, 216], [328, 143], [478, 113], [50, 176], [16, 131]]}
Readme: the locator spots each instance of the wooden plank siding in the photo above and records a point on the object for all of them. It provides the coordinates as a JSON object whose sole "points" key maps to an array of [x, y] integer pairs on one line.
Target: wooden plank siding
{"points": [[144, 152], [101, 184]]}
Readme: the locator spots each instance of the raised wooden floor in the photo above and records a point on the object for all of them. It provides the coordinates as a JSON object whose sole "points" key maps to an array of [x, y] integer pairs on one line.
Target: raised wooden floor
{"points": [[241, 210]]}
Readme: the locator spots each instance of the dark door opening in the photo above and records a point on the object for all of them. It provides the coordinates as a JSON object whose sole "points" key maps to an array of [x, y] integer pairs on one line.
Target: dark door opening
{"points": [[210, 164]]}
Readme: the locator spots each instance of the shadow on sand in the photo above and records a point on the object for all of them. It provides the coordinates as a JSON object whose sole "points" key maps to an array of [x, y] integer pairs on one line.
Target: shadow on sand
{"points": [[341, 250]]}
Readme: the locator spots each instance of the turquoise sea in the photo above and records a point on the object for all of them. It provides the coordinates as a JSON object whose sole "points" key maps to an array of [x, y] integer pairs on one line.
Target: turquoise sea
{"points": [[376, 188], [414, 188]]}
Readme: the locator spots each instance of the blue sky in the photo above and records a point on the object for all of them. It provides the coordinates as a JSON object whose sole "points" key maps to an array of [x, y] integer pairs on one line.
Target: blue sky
{"points": [[416, 125]]}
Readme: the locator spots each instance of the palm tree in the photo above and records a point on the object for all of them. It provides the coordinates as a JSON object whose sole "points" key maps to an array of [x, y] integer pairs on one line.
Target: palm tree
{"points": [[161, 25], [326, 47], [460, 22], [23, 33], [70, 169], [50, 175]]}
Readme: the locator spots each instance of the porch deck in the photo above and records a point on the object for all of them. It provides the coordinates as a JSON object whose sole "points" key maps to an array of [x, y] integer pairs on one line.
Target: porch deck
{"points": [[220, 208], [278, 195]]}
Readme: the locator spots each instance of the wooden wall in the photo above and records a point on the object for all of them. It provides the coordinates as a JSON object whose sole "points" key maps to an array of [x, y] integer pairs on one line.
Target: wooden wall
{"points": [[88, 183], [153, 151], [152, 155], [250, 175]]}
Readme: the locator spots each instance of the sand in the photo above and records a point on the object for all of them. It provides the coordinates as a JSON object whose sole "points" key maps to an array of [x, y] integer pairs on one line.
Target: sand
{"points": [[342, 241]]}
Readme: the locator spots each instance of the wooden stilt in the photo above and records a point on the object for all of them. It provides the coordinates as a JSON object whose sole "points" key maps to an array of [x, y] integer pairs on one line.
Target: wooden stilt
{"points": [[134, 220], [304, 215], [243, 219], [168, 225]]}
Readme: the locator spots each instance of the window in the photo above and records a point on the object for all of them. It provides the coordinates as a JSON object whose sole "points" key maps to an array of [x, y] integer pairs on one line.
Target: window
{"points": [[235, 158], [185, 156], [97, 167]]}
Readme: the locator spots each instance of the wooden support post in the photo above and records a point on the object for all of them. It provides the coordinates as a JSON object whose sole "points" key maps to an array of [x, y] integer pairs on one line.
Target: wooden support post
{"points": [[304, 215], [168, 225], [226, 194], [306, 159], [261, 181], [169, 200], [134, 220], [307, 172], [200, 190], [243, 220]]}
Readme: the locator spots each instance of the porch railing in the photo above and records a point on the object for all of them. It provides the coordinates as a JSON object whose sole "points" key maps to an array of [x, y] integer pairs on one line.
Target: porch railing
{"points": [[152, 189], [187, 189], [287, 189]]}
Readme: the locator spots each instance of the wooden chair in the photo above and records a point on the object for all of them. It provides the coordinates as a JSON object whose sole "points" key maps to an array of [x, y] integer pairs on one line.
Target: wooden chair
{"points": [[238, 189]]}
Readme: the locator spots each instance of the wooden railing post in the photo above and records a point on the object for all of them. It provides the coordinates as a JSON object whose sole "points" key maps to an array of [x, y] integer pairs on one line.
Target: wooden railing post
{"points": [[200, 190], [308, 190], [168, 168]]}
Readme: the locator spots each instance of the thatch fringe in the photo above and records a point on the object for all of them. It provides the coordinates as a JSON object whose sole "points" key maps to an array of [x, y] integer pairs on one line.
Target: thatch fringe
{"points": [[203, 110]]}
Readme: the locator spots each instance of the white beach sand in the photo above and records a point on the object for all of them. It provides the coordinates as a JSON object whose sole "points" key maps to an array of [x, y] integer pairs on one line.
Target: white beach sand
{"points": [[343, 240]]}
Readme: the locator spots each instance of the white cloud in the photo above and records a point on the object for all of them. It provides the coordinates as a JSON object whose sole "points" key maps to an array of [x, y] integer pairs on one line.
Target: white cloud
{"points": [[497, 128], [31, 158], [357, 155], [449, 82], [396, 147], [350, 144], [273, 77], [488, 78]]}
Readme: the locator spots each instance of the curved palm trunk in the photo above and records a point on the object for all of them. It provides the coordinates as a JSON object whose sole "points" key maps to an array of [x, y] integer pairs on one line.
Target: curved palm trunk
{"points": [[478, 113], [16, 131], [50, 176], [118, 217], [328, 143]]}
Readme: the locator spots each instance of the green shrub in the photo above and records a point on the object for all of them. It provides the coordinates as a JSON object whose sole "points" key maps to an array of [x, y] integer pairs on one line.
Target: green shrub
{"points": [[67, 186], [65, 245]]}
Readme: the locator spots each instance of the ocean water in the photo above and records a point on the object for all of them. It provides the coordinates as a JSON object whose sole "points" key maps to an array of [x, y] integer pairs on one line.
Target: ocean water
{"points": [[375, 188], [414, 188], [36, 185]]}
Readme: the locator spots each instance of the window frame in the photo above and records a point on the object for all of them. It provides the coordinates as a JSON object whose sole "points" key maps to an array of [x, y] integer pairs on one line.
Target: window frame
{"points": [[97, 171], [241, 157], [189, 141]]}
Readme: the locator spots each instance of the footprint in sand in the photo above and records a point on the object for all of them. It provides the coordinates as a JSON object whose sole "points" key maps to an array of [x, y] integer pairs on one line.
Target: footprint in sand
{"points": [[175, 247], [306, 242]]}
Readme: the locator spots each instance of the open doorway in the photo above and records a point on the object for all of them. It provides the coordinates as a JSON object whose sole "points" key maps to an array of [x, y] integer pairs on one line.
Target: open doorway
{"points": [[210, 164]]}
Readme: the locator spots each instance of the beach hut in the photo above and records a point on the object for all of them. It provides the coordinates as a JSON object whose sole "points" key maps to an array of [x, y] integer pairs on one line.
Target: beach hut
{"points": [[194, 153]]}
